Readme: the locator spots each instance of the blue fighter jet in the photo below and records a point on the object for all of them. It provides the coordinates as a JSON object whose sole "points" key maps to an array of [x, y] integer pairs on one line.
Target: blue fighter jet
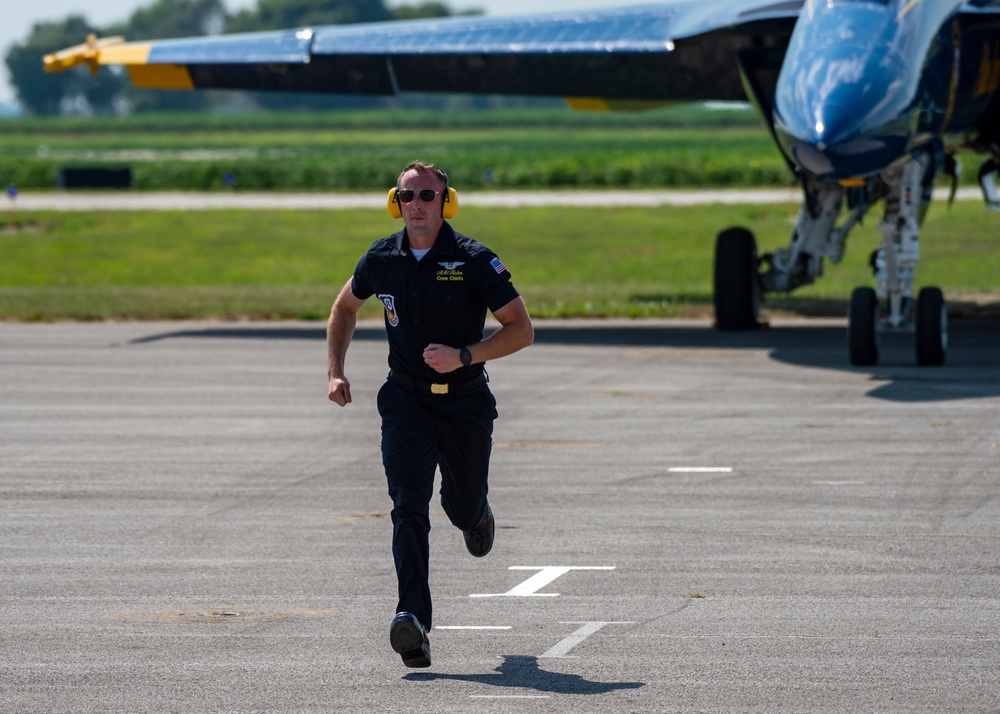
{"points": [[869, 101]]}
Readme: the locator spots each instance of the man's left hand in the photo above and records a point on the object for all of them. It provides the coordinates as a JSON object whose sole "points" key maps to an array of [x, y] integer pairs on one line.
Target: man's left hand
{"points": [[442, 358]]}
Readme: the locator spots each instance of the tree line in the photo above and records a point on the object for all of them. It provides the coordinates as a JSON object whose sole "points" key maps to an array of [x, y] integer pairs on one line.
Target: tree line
{"points": [[77, 93]]}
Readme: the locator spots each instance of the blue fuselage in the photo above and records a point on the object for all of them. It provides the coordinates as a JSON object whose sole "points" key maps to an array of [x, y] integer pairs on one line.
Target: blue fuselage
{"points": [[867, 82]]}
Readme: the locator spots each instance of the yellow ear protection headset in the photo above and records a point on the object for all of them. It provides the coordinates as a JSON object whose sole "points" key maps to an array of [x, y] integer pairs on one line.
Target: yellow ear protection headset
{"points": [[449, 207]]}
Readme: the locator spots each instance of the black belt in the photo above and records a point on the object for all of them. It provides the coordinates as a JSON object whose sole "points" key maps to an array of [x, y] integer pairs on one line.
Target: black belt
{"points": [[451, 389]]}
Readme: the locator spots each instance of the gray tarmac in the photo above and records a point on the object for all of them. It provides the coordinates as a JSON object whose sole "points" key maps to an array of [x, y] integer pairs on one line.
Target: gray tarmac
{"points": [[687, 520]]}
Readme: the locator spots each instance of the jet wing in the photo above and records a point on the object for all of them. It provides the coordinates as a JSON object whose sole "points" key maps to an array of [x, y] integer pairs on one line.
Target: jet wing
{"points": [[682, 50]]}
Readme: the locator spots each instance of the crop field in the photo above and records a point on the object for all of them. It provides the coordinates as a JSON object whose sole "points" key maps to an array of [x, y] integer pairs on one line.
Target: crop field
{"points": [[567, 262], [512, 149], [519, 149]]}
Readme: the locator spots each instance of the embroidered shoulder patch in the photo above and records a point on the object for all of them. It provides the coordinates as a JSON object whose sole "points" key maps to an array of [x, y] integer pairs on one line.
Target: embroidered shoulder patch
{"points": [[497, 265], [390, 309]]}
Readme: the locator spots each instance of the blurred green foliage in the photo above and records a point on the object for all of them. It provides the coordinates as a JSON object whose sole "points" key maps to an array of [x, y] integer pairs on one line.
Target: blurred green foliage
{"points": [[524, 148], [531, 147]]}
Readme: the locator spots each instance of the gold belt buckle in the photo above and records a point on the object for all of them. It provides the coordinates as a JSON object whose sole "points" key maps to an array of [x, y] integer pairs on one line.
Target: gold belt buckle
{"points": [[439, 388]]}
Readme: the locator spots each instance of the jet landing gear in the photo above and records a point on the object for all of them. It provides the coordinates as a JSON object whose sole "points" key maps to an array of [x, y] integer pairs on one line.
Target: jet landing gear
{"points": [[894, 263], [930, 327], [742, 278], [737, 289], [862, 327], [739, 280]]}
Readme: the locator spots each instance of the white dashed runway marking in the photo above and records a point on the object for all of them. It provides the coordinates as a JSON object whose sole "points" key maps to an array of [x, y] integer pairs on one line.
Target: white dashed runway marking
{"points": [[539, 580], [579, 636]]}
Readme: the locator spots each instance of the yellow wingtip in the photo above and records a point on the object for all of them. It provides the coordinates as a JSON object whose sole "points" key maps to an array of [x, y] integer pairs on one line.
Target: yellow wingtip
{"points": [[88, 53]]}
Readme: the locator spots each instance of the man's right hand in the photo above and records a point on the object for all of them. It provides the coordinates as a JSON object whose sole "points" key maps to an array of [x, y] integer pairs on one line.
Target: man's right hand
{"points": [[340, 391]]}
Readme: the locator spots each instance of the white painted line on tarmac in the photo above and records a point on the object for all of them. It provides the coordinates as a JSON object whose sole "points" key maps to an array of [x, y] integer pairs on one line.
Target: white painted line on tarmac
{"points": [[700, 470], [579, 636], [472, 627], [539, 580]]}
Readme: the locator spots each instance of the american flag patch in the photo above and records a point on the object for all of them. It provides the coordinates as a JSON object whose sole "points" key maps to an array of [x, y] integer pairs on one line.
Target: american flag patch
{"points": [[497, 265]]}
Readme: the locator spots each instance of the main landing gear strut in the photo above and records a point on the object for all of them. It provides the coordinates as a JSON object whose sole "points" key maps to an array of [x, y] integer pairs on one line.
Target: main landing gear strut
{"points": [[740, 281]]}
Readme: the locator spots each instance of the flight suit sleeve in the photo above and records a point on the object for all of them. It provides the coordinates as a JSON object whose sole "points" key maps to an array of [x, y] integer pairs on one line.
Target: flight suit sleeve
{"points": [[495, 287], [361, 285]]}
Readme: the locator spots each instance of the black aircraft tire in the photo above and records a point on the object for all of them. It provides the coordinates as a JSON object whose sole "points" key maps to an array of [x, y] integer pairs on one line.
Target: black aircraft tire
{"points": [[932, 327], [862, 327], [736, 281]]}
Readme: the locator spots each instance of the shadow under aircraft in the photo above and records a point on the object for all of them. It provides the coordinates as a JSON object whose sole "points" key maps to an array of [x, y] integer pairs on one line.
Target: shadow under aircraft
{"points": [[971, 373]]}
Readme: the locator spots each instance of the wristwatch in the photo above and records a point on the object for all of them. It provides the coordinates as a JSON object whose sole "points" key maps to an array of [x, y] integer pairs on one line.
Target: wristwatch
{"points": [[465, 356]]}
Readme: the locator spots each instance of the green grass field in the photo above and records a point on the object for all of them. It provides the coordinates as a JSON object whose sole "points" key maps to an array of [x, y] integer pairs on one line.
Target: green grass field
{"points": [[567, 262], [683, 146], [361, 151], [631, 262]]}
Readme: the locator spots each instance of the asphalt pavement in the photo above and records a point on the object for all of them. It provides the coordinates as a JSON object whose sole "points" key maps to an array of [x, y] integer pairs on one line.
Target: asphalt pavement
{"points": [[687, 521]]}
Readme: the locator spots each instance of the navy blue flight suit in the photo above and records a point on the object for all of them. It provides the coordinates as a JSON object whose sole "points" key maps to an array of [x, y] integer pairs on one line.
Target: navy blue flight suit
{"points": [[441, 299]]}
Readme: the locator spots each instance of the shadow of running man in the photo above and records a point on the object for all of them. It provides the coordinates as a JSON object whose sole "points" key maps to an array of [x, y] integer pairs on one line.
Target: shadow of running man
{"points": [[523, 672]]}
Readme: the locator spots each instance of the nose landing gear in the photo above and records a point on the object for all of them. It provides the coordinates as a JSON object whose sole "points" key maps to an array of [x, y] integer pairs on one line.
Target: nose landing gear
{"points": [[930, 327], [895, 263]]}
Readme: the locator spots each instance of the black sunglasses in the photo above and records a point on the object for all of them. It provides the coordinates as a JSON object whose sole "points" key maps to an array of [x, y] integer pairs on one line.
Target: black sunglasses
{"points": [[427, 195]]}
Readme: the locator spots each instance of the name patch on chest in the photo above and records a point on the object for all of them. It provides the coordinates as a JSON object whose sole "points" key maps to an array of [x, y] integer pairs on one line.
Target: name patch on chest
{"points": [[450, 273]]}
